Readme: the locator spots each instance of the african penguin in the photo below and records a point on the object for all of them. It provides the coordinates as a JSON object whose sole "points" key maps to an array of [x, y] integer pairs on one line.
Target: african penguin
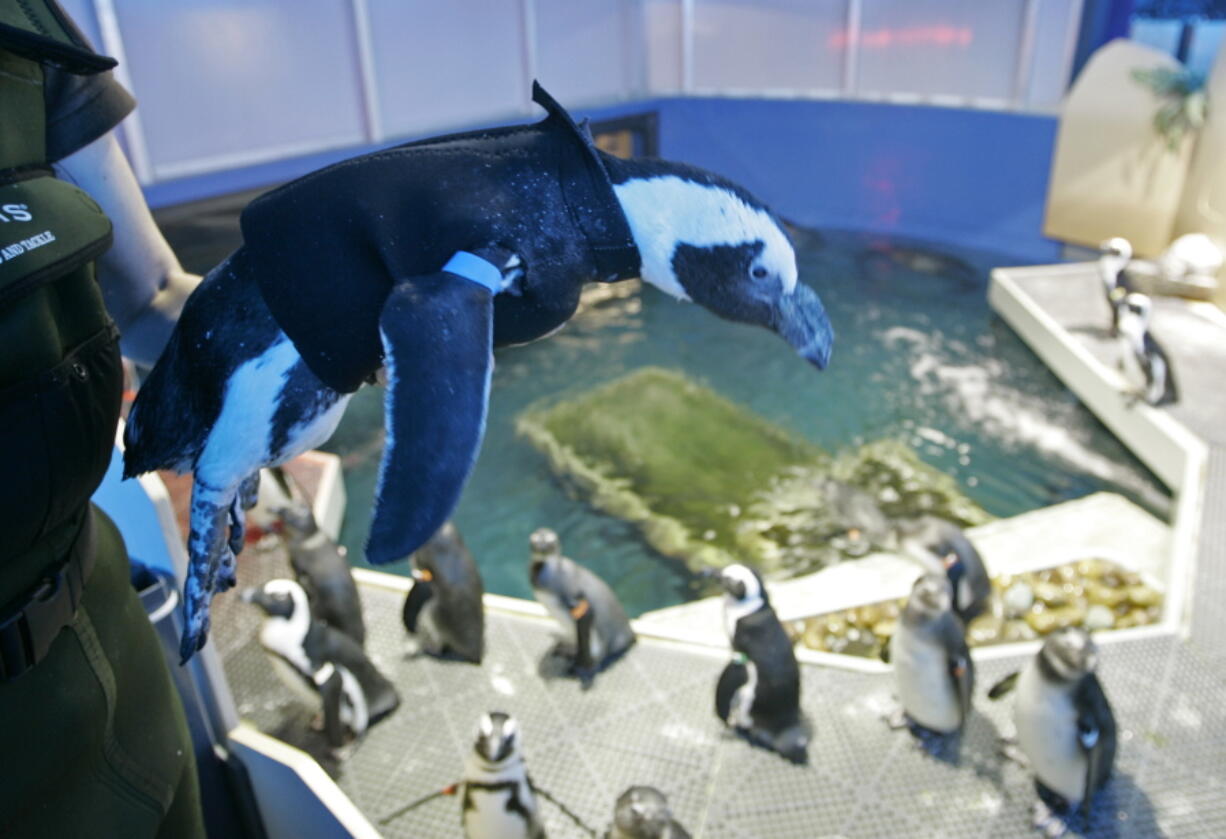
{"points": [[1064, 722], [366, 265], [321, 664], [595, 629], [498, 801], [1114, 256], [323, 571], [1145, 364], [642, 813], [941, 547], [758, 693], [443, 610], [933, 671]]}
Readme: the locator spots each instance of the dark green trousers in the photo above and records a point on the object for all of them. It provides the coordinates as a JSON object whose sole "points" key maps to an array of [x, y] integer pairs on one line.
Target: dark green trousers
{"points": [[93, 741]]}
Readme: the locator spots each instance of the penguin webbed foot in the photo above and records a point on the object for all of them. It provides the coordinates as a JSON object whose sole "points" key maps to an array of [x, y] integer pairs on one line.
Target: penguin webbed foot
{"points": [[1011, 751], [1047, 820]]}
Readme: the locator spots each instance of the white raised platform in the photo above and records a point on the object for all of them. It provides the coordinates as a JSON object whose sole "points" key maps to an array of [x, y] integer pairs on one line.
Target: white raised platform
{"points": [[1102, 525]]}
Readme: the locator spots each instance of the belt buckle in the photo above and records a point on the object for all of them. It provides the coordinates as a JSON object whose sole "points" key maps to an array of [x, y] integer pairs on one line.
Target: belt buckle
{"points": [[27, 634]]}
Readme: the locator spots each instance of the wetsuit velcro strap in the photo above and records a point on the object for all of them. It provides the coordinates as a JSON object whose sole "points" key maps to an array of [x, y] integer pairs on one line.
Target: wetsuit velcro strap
{"points": [[472, 267]]}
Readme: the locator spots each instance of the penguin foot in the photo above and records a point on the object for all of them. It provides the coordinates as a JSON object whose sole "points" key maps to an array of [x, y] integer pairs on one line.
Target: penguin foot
{"points": [[1047, 822], [1010, 750], [896, 719]]}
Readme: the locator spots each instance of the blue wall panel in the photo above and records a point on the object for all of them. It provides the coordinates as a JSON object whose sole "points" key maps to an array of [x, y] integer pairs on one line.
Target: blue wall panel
{"points": [[976, 178]]}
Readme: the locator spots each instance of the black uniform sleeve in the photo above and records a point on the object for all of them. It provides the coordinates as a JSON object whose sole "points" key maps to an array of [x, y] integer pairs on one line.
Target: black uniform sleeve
{"points": [[80, 109]]}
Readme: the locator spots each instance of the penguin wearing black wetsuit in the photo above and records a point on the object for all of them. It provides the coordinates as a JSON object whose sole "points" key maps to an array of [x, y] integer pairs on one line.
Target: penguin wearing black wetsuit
{"points": [[758, 693], [412, 264], [321, 664]]}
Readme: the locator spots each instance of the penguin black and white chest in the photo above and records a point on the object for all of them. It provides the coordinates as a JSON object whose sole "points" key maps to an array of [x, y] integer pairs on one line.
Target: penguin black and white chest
{"points": [[1114, 256], [418, 261], [933, 671], [444, 610], [1146, 365], [320, 664], [759, 691], [323, 571], [1064, 722], [643, 813], [588, 612], [941, 547], [498, 801]]}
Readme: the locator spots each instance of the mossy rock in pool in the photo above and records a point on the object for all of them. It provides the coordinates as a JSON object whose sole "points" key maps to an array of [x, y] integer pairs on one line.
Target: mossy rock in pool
{"points": [[687, 466]]}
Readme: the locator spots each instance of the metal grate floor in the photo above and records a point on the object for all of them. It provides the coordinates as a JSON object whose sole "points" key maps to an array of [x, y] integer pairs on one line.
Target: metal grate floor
{"points": [[649, 720]]}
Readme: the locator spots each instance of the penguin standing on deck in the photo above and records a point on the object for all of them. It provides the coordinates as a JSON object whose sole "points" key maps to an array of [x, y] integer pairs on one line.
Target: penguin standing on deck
{"points": [[1065, 726], [595, 629], [321, 664], [323, 571], [1144, 362], [933, 671], [941, 547], [443, 610], [642, 813], [758, 694], [498, 802], [419, 260], [1115, 254]]}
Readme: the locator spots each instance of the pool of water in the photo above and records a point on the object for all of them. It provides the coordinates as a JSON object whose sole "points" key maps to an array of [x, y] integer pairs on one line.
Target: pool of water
{"points": [[918, 357]]}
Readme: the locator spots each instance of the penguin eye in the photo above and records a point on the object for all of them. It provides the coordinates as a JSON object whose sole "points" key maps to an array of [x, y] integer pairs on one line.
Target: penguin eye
{"points": [[759, 273]]}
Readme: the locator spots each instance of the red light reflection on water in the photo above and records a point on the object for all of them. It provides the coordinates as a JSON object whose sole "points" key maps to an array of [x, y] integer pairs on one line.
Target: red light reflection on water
{"points": [[937, 35]]}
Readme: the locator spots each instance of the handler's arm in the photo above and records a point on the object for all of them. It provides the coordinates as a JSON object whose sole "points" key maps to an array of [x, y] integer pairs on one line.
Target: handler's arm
{"points": [[142, 282]]}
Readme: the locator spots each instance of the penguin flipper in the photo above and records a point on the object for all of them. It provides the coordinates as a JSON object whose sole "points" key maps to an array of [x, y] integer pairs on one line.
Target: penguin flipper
{"points": [[331, 693], [437, 334], [961, 666], [1096, 735], [584, 618], [735, 675], [415, 602]]}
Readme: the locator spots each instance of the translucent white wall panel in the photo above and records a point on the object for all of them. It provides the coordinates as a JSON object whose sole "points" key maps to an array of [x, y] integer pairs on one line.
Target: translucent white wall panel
{"points": [[769, 44], [227, 82], [82, 14], [446, 64], [1056, 27], [587, 51], [662, 43], [964, 48]]}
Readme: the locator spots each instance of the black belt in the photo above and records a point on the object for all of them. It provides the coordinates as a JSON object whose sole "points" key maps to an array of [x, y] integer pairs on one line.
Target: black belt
{"points": [[28, 629]]}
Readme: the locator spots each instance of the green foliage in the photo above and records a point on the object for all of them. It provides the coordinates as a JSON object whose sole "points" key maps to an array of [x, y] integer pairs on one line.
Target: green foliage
{"points": [[1184, 105], [709, 482]]}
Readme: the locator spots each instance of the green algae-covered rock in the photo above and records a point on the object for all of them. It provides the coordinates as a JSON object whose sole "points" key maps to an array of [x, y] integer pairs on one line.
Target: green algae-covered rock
{"points": [[709, 482]]}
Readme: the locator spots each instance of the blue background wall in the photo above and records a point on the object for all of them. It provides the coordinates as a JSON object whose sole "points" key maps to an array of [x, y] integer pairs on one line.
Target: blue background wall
{"points": [[976, 178], [969, 177]]}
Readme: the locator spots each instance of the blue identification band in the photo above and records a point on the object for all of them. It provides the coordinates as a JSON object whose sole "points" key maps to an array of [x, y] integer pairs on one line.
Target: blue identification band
{"points": [[472, 267]]}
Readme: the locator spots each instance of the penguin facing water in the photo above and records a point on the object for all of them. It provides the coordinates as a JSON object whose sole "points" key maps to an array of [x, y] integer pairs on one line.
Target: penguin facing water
{"points": [[933, 670], [444, 610], [486, 238], [323, 571], [595, 629], [497, 800], [758, 693], [1065, 725], [643, 813], [941, 547], [320, 664]]}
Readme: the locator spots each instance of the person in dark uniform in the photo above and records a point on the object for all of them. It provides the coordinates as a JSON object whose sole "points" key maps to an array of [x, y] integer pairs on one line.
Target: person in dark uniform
{"points": [[92, 733]]}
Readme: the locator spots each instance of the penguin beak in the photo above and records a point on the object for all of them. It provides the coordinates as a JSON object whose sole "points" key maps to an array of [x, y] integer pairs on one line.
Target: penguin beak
{"points": [[801, 320]]}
